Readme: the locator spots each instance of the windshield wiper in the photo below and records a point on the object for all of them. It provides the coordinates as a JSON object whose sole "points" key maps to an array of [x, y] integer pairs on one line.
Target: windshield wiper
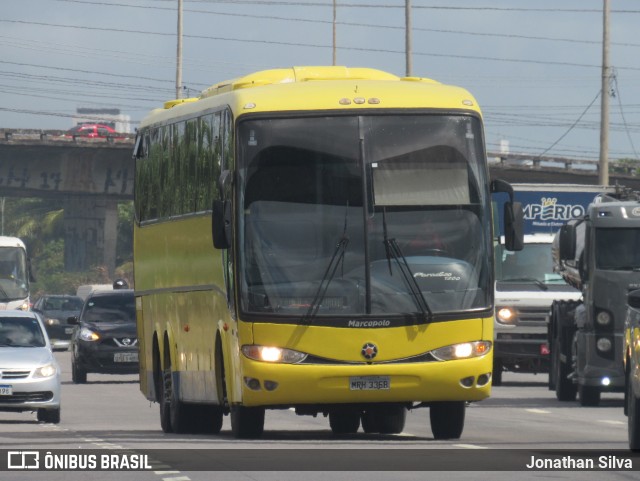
{"points": [[392, 249], [537, 282], [338, 255]]}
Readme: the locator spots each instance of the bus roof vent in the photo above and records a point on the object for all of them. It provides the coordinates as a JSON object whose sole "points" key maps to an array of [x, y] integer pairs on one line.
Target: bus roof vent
{"points": [[297, 74], [419, 79], [172, 103]]}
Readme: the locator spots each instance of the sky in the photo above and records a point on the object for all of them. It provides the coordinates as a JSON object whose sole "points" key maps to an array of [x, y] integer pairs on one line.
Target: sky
{"points": [[533, 65]]}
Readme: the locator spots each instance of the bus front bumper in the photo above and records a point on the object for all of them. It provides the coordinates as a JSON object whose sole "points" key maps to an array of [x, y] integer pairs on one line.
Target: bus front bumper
{"points": [[267, 384]]}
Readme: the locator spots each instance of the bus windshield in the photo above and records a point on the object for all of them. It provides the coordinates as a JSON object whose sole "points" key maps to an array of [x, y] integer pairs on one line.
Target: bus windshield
{"points": [[13, 274], [335, 207]]}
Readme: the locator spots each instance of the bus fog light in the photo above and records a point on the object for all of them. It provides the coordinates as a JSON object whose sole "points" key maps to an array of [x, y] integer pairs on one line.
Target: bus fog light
{"points": [[483, 379], [252, 383], [604, 344], [270, 385], [467, 381], [605, 381]]}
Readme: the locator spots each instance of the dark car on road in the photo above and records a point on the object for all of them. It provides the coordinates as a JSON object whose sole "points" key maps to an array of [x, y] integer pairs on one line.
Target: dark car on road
{"points": [[55, 309], [105, 339]]}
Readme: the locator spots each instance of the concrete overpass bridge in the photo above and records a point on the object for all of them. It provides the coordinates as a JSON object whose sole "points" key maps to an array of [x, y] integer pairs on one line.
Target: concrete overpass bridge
{"points": [[92, 175]]}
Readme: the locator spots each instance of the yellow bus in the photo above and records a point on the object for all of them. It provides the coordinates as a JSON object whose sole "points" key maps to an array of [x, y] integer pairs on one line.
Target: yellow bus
{"points": [[315, 238]]}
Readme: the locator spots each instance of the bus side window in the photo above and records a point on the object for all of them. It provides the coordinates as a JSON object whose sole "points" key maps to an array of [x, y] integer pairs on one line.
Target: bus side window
{"points": [[226, 144]]}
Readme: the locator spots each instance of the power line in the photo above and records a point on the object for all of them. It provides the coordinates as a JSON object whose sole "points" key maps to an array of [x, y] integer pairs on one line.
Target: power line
{"points": [[354, 24], [617, 94], [571, 128], [300, 44]]}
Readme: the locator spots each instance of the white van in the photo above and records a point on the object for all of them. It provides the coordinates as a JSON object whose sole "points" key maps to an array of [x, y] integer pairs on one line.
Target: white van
{"points": [[86, 289]]}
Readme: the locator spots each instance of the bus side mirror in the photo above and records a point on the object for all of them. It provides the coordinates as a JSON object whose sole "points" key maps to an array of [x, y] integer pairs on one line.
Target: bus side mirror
{"points": [[567, 243], [513, 226], [221, 224]]}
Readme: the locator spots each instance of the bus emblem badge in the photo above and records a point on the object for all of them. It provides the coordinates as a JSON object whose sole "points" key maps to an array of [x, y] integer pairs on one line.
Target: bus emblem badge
{"points": [[369, 351]]}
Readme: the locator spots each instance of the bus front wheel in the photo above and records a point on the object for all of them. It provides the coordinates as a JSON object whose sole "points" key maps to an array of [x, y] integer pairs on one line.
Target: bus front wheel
{"points": [[387, 420], [247, 422], [447, 419]]}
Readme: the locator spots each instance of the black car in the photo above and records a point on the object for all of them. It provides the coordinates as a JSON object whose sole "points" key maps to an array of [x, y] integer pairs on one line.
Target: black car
{"points": [[55, 309], [105, 339]]}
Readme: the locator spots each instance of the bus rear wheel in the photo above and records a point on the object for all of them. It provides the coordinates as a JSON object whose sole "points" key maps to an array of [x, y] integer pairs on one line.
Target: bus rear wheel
{"points": [[247, 422], [344, 421], [447, 419]]}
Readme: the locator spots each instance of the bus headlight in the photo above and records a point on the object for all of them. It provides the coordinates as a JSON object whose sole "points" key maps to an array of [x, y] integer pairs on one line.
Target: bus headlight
{"points": [[603, 318], [465, 350], [506, 315], [273, 354], [52, 322]]}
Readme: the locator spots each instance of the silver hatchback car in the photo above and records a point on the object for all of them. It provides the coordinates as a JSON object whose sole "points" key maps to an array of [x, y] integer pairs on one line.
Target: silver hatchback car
{"points": [[29, 374]]}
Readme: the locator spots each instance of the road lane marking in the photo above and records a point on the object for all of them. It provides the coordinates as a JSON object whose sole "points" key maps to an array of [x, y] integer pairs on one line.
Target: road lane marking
{"points": [[166, 472], [608, 421], [177, 478], [538, 411], [470, 446]]}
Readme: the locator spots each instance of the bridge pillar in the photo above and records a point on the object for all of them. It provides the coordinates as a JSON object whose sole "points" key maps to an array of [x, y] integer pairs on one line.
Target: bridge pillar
{"points": [[91, 232]]}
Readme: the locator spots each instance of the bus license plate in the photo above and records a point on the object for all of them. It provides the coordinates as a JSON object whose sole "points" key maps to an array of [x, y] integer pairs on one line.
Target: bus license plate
{"points": [[369, 383], [6, 390], [125, 357]]}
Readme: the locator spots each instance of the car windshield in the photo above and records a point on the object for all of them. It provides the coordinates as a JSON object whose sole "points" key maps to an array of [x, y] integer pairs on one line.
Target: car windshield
{"points": [[21, 332], [110, 309], [532, 264], [370, 215], [62, 304]]}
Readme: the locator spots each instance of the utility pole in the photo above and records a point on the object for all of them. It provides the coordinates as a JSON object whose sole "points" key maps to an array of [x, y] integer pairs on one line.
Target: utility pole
{"points": [[179, 54], [407, 14], [603, 166], [334, 30]]}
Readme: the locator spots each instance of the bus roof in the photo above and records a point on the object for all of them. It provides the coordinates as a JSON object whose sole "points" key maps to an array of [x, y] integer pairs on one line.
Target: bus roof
{"points": [[6, 241], [319, 88]]}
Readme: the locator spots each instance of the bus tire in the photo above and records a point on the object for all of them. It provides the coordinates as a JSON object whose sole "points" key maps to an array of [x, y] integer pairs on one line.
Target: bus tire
{"points": [[183, 416], [207, 418], [447, 419], [344, 421], [589, 395], [496, 377], [384, 420], [247, 422], [633, 417], [164, 395]]}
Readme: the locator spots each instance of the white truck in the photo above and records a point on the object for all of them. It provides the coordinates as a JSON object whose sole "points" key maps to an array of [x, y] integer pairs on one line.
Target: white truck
{"points": [[526, 284]]}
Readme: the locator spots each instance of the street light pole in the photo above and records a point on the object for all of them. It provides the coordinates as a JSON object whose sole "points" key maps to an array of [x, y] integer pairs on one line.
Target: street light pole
{"points": [[407, 14], [603, 166], [334, 31], [179, 54]]}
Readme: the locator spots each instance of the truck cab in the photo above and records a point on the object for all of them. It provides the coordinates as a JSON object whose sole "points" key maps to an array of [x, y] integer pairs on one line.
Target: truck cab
{"points": [[598, 254]]}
